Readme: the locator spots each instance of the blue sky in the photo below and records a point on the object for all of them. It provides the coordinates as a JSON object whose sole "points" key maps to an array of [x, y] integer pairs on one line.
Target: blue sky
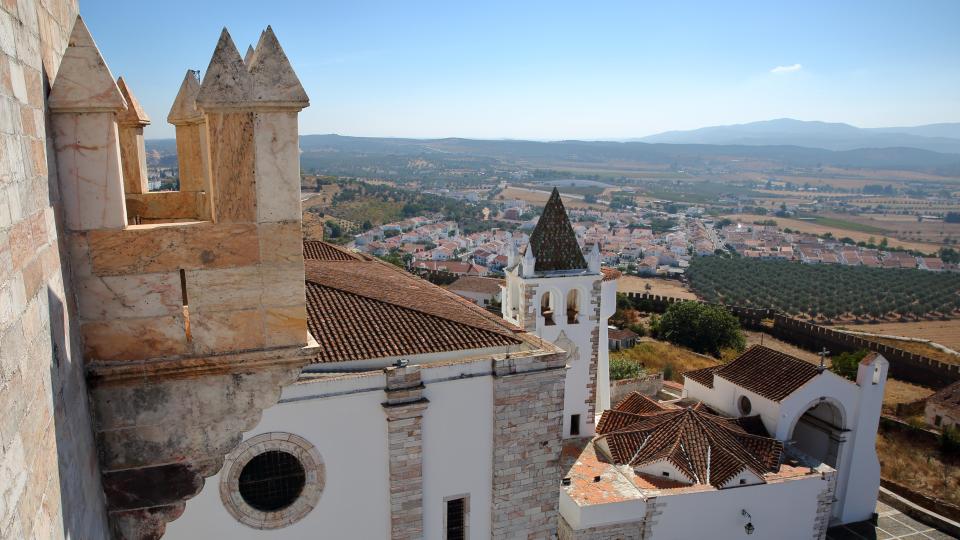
{"points": [[558, 70]]}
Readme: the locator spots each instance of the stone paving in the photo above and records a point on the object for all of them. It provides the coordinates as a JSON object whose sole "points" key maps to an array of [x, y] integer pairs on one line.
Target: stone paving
{"points": [[891, 524]]}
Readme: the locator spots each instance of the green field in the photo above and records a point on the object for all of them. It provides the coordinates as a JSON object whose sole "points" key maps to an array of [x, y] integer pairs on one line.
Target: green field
{"points": [[829, 291], [842, 224]]}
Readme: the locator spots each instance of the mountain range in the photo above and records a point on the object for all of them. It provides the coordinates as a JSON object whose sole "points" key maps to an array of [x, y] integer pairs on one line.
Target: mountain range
{"points": [[811, 134]]}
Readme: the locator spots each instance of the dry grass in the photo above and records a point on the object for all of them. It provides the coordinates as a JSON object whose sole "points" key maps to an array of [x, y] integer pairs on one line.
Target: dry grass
{"points": [[656, 355], [946, 333], [896, 392], [663, 287], [918, 465], [919, 347], [540, 198], [815, 228]]}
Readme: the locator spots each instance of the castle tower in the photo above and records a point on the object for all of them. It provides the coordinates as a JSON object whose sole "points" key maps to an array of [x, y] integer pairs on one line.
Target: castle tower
{"points": [[555, 292], [189, 328]]}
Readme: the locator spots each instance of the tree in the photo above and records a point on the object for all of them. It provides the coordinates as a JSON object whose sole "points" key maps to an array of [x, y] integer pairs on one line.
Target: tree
{"points": [[846, 364], [702, 327]]}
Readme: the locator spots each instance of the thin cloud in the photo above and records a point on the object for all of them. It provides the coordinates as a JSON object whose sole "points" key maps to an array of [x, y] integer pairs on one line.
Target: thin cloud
{"points": [[787, 69]]}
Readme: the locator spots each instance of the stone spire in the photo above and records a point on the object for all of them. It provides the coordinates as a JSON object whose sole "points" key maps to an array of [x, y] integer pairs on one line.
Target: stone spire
{"points": [[553, 241], [192, 155], [84, 102], [184, 109], [274, 81], [84, 82], [226, 84], [133, 154], [247, 58]]}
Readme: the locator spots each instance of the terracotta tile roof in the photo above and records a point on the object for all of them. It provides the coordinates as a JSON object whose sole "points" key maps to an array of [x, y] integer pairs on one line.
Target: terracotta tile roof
{"points": [[553, 241], [610, 274], [476, 284], [949, 396], [706, 448], [769, 373], [703, 376], [361, 308], [322, 251], [620, 335]]}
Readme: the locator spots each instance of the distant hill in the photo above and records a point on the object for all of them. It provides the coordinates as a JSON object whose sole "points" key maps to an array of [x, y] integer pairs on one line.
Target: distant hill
{"points": [[320, 148], [336, 154], [829, 136]]}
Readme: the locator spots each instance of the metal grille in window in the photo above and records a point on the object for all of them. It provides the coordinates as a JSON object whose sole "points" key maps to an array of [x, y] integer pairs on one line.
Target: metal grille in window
{"points": [[272, 481], [455, 519]]}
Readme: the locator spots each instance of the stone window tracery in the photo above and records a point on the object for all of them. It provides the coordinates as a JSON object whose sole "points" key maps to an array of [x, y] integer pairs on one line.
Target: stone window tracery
{"points": [[272, 480]]}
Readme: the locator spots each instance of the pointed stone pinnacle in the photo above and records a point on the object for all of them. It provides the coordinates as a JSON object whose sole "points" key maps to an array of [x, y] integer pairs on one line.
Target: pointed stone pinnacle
{"points": [[84, 82], [184, 109], [134, 115], [274, 81], [247, 58], [226, 82]]}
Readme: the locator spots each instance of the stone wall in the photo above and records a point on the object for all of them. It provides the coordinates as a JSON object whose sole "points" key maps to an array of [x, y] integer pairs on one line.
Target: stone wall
{"points": [[49, 480], [404, 409], [648, 385], [904, 365], [527, 431], [620, 531]]}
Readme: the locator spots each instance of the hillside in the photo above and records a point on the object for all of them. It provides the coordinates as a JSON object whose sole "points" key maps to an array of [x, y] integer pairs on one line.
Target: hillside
{"points": [[829, 136]]}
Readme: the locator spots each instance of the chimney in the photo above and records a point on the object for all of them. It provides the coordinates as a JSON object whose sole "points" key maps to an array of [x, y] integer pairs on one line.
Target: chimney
{"points": [[84, 103], [133, 155]]}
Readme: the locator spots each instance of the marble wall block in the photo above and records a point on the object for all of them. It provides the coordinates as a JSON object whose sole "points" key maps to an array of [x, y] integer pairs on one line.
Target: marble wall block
{"points": [[133, 296], [277, 166], [134, 339], [232, 167], [170, 247], [88, 161], [223, 331]]}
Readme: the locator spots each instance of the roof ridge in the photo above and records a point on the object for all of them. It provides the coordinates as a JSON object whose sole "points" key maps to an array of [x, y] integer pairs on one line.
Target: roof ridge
{"points": [[407, 308], [497, 324]]}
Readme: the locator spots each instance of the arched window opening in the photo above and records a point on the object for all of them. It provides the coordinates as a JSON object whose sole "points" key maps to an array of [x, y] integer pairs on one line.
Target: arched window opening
{"points": [[573, 306], [547, 308]]}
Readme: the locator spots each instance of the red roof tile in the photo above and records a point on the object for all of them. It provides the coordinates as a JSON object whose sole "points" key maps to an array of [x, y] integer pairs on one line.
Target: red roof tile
{"points": [[707, 448], [769, 373], [360, 308]]}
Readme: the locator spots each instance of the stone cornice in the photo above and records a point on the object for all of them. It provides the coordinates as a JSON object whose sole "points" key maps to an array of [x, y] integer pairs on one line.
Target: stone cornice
{"points": [[124, 372]]}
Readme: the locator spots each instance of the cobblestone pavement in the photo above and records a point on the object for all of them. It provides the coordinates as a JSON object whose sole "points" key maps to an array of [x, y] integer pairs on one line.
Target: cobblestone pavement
{"points": [[890, 525]]}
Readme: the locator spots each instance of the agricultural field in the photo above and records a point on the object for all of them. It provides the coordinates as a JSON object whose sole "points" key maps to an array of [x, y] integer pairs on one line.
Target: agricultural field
{"points": [[946, 333], [539, 197], [827, 292], [662, 287], [813, 227]]}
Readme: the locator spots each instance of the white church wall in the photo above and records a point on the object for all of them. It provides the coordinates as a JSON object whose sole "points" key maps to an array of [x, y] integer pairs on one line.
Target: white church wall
{"points": [[859, 406], [349, 432], [457, 451], [718, 514]]}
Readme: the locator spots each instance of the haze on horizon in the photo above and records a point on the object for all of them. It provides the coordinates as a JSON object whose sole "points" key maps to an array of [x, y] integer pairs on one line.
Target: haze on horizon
{"points": [[558, 70]]}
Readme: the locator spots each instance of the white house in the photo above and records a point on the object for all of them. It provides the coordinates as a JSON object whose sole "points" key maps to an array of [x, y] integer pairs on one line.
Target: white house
{"points": [[812, 410]]}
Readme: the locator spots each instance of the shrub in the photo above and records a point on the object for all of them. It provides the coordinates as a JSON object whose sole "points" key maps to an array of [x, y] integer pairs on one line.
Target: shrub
{"points": [[668, 372], [950, 440], [846, 364], [621, 368], [703, 328]]}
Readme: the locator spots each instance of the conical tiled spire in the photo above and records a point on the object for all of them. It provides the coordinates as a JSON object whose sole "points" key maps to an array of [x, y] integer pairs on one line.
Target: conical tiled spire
{"points": [[553, 241]]}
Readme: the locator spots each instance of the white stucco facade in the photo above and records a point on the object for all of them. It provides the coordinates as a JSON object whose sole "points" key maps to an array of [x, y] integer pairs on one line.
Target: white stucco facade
{"points": [[829, 418], [343, 417]]}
